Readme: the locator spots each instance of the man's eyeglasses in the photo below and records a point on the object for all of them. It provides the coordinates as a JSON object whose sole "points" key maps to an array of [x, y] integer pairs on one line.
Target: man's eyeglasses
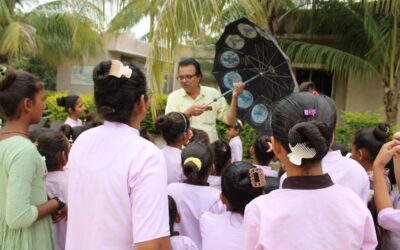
{"points": [[188, 77]]}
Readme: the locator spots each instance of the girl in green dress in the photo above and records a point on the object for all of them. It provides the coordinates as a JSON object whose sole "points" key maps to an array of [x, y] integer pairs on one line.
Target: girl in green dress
{"points": [[25, 221]]}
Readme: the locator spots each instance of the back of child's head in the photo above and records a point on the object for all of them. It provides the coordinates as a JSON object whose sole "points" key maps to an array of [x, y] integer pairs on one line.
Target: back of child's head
{"points": [[33, 135], [15, 86], [115, 95], [173, 212], [344, 150], [263, 150], [222, 156], [72, 133], [197, 159], [236, 186], [307, 86], [200, 136], [172, 126], [305, 118], [51, 145], [92, 121], [271, 184], [68, 102], [372, 139], [238, 125]]}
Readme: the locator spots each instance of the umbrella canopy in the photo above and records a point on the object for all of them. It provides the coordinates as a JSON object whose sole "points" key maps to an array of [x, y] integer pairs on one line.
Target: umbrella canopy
{"points": [[245, 52]]}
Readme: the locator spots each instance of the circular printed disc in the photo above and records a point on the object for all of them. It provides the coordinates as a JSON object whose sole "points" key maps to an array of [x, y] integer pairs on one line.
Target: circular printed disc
{"points": [[247, 30], [229, 59], [245, 99], [235, 42], [230, 78], [259, 113]]}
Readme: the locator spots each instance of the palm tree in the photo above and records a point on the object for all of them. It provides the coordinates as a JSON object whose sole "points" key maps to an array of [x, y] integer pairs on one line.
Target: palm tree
{"points": [[56, 31], [367, 43]]}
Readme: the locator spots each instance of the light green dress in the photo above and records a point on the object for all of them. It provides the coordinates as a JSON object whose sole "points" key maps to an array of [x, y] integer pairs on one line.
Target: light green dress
{"points": [[22, 188]]}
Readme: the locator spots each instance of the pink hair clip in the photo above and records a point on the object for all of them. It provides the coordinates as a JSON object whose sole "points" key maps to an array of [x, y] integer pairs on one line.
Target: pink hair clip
{"points": [[310, 112], [118, 70]]}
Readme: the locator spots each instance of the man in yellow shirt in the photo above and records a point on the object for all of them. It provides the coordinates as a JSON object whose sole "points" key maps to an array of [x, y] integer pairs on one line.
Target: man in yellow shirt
{"points": [[192, 99]]}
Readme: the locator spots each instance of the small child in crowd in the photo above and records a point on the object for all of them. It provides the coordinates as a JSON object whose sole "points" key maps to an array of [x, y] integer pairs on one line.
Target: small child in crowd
{"points": [[74, 106], [310, 209], [241, 183], [175, 129], [178, 242], [235, 143], [54, 148], [195, 196], [199, 136], [222, 159], [263, 155]]}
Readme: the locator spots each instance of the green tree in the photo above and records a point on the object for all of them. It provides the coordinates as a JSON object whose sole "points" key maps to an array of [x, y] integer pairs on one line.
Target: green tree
{"points": [[56, 31]]}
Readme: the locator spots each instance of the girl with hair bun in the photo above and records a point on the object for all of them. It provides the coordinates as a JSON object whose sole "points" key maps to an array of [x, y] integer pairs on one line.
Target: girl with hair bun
{"points": [[25, 221], [263, 155], [117, 190], [194, 196], [222, 159], [239, 186], [175, 129], [310, 210], [74, 106], [308, 107]]}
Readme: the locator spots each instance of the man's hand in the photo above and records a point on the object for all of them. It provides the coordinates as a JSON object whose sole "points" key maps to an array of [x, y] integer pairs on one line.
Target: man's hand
{"points": [[238, 88], [195, 110]]}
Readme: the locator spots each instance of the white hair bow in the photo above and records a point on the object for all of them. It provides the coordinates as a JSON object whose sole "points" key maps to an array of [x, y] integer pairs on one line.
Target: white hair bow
{"points": [[300, 151]]}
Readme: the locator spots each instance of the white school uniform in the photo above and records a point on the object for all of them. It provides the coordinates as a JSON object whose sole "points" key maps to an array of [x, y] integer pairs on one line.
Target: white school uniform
{"points": [[180, 242], [222, 231], [268, 171], [192, 201], [57, 186], [310, 212], [389, 219], [236, 149], [117, 191], [174, 163], [73, 123], [346, 172], [214, 181]]}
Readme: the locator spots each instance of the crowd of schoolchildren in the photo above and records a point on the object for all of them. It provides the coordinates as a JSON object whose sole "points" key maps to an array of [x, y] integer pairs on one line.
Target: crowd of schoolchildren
{"points": [[106, 185]]}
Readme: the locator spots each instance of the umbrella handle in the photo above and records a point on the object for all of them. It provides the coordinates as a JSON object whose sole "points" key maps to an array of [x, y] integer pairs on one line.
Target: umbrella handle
{"points": [[231, 90]]}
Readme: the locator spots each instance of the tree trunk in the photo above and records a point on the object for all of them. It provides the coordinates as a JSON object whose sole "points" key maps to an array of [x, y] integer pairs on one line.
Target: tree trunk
{"points": [[391, 98]]}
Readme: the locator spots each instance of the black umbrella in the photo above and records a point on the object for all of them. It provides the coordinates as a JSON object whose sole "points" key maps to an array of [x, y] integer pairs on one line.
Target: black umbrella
{"points": [[246, 53]]}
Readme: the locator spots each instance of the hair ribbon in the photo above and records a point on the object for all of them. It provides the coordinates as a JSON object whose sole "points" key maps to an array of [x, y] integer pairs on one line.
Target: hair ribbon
{"points": [[196, 161]]}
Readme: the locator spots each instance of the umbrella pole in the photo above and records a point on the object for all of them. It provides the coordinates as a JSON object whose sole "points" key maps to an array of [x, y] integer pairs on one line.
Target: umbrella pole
{"points": [[231, 90]]}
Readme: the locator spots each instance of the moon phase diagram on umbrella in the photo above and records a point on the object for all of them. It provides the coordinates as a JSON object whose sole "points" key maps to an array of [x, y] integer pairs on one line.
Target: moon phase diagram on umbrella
{"points": [[246, 53]]}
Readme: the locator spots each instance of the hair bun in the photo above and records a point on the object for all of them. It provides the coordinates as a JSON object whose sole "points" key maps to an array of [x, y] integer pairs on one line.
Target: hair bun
{"points": [[61, 101], [163, 122], [243, 181], [103, 81], [7, 76], [382, 132]]}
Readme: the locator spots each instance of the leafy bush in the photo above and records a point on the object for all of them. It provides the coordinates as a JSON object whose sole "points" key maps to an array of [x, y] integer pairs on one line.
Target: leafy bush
{"points": [[148, 122], [352, 122]]}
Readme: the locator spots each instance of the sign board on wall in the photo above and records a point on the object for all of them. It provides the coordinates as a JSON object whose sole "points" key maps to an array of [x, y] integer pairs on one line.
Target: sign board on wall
{"points": [[82, 75]]}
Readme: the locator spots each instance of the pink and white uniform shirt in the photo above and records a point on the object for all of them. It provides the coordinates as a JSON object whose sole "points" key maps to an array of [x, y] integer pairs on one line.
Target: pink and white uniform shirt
{"points": [[192, 201], [173, 160], [222, 231], [180, 242], [310, 212], [117, 191], [236, 149], [73, 123], [346, 172], [57, 186]]}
